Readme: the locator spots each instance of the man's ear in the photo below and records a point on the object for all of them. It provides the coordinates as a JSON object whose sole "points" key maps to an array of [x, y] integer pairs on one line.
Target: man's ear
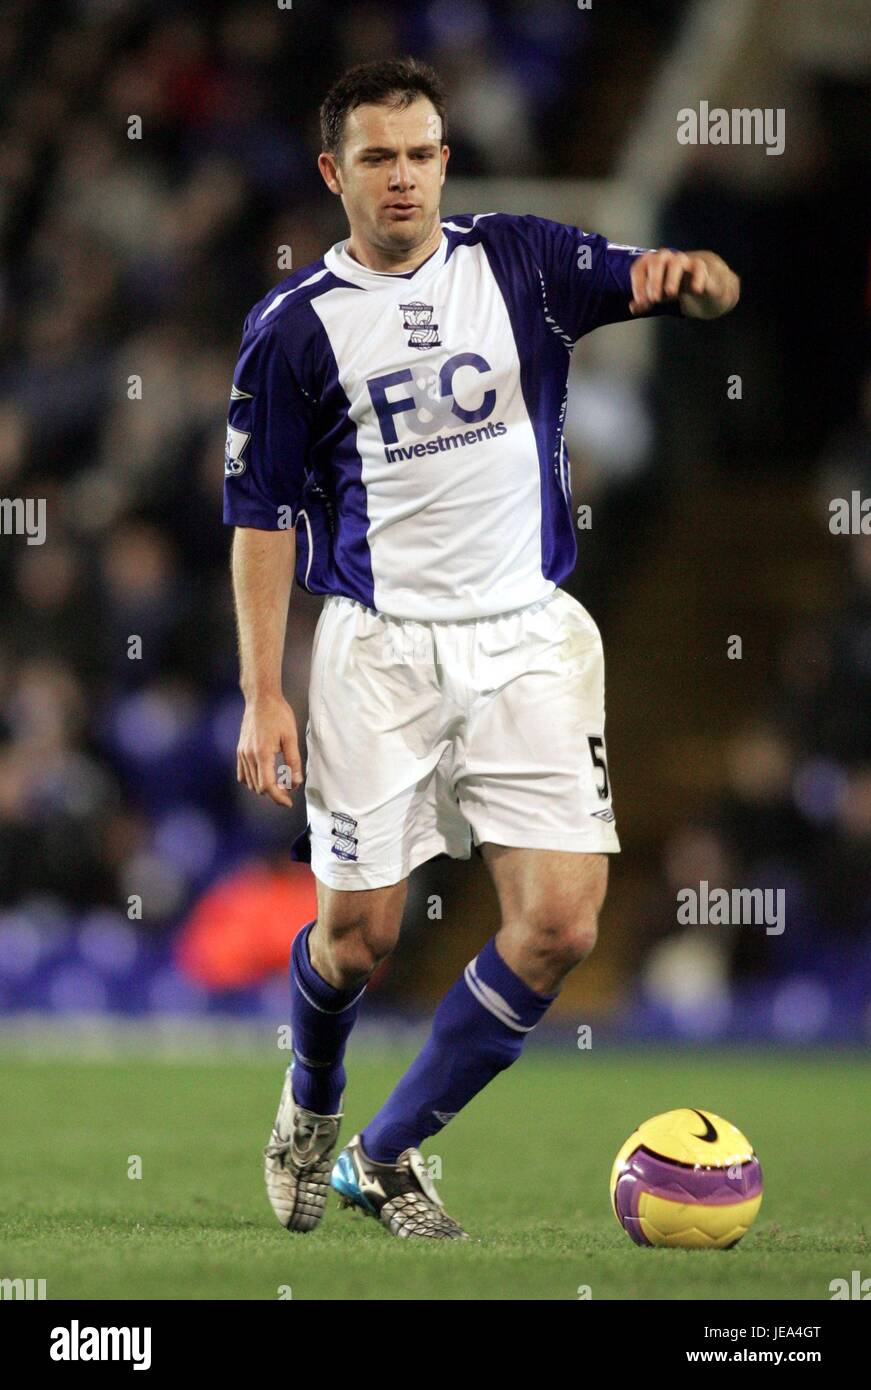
{"points": [[330, 172]]}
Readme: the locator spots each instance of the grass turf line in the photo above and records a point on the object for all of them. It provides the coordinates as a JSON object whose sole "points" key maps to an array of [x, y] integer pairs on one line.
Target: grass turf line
{"points": [[525, 1169]]}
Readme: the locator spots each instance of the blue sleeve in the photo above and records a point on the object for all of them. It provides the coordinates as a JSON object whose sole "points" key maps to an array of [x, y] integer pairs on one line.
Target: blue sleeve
{"points": [[586, 277], [268, 434]]}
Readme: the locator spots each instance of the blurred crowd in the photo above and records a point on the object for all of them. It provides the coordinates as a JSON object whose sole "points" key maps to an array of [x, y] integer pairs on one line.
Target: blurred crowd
{"points": [[154, 157], [791, 809], [792, 815]]}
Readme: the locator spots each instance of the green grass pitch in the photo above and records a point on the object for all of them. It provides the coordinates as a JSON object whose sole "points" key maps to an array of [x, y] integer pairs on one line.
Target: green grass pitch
{"points": [[525, 1168]]}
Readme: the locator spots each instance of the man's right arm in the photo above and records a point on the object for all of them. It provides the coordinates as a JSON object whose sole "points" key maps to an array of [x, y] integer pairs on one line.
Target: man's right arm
{"points": [[263, 566]]}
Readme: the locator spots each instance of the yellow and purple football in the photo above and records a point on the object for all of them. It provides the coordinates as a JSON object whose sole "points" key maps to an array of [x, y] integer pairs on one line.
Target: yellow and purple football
{"points": [[687, 1178]]}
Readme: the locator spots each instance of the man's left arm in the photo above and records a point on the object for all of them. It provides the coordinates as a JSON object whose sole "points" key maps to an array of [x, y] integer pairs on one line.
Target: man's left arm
{"points": [[700, 281]]}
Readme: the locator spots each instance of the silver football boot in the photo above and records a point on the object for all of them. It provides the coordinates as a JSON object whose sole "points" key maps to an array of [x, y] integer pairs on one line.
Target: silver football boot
{"points": [[401, 1195], [298, 1160]]}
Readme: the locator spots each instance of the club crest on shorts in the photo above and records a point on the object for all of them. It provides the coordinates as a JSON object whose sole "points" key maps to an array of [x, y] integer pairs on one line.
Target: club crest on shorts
{"points": [[417, 322], [344, 844]]}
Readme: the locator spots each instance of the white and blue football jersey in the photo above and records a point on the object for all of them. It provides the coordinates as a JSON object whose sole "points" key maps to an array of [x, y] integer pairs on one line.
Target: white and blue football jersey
{"points": [[411, 425]]}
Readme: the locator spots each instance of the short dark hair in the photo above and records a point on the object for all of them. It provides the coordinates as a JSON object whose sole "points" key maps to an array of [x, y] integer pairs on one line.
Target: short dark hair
{"points": [[395, 82]]}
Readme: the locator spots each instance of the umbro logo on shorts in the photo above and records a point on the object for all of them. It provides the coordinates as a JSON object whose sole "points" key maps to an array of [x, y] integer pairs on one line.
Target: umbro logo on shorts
{"points": [[344, 840], [607, 815]]}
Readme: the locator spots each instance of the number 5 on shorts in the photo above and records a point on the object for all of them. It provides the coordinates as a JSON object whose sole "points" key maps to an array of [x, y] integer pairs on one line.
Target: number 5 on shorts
{"points": [[597, 753]]}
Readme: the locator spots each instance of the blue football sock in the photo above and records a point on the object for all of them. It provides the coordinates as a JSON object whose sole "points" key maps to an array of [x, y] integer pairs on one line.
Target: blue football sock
{"points": [[478, 1031], [321, 1018]]}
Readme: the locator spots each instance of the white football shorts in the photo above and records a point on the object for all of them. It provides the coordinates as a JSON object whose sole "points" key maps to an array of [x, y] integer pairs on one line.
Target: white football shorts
{"points": [[427, 738]]}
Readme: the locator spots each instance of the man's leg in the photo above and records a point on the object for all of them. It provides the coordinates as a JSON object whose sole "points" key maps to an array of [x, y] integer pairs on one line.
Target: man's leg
{"points": [[549, 902], [331, 961], [330, 965]]}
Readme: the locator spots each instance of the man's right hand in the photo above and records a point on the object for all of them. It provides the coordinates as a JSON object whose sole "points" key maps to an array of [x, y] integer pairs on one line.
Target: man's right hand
{"points": [[269, 727]]}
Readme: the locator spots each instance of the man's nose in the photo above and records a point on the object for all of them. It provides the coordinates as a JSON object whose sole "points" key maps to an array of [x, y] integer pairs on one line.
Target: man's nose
{"points": [[401, 175]]}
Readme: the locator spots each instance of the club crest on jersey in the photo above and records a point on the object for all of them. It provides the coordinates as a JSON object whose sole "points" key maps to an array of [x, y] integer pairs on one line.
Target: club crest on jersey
{"points": [[417, 322], [234, 464]]}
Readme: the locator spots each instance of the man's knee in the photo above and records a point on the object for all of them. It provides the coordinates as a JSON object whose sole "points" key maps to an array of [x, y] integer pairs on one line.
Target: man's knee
{"points": [[355, 947], [562, 942], [556, 930], [355, 932]]}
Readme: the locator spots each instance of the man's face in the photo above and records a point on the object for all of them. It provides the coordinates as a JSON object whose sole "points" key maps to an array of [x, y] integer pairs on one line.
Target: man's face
{"points": [[390, 174]]}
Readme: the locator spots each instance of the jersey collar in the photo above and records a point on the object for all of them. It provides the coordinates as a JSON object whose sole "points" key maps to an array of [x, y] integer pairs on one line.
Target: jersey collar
{"points": [[346, 268]]}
